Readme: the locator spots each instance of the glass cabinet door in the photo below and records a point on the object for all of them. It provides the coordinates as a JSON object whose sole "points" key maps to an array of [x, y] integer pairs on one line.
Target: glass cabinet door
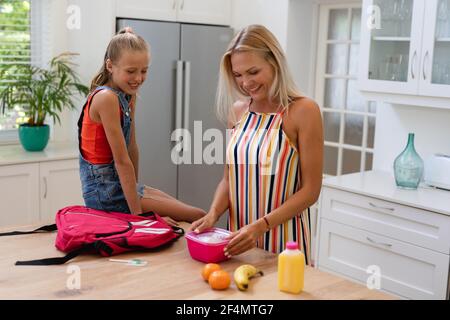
{"points": [[440, 73], [393, 41], [435, 69], [390, 45]]}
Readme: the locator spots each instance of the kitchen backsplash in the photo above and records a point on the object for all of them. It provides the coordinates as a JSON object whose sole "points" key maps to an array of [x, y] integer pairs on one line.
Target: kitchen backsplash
{"points": [[394, 122]]}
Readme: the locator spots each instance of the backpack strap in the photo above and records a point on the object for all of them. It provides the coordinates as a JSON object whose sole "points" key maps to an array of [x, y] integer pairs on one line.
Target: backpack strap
{"points": [[48, 228], [179, 231], [95, 246]]}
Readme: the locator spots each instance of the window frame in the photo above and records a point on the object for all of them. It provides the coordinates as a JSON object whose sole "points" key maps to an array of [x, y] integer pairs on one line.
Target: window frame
{"points": [[320, 82], [40, 52]]}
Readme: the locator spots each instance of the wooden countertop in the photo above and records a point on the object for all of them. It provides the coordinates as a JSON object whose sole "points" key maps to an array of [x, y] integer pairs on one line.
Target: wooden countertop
{"points": [[170, 274]]}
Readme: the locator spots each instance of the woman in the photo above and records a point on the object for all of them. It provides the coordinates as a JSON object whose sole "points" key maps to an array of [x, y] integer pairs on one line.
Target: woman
{"points": [[274, 157]]}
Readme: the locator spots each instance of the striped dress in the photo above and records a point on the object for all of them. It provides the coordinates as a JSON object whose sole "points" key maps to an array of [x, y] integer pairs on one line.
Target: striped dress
{"points": [[263, 170]]}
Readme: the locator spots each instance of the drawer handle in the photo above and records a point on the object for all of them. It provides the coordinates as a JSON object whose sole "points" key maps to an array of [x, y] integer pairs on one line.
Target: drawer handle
{"points": [[380, 243], [378, 207]]}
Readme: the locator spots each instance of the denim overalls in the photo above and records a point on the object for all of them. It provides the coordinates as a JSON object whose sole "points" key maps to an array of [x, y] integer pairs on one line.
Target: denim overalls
{"points": [[100, 182]]}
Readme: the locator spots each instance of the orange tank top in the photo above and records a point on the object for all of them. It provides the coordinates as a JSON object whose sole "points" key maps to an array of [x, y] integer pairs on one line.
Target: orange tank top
{"points": [[94, 143]]}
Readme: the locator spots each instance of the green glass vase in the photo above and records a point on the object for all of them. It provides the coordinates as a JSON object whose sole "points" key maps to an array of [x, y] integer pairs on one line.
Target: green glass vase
{"points": [[408, 166]]}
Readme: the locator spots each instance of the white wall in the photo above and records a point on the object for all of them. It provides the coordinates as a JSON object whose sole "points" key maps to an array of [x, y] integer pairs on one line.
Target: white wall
{"points": [[394, 122], [302, 42], [272, 14], [89, 39]]}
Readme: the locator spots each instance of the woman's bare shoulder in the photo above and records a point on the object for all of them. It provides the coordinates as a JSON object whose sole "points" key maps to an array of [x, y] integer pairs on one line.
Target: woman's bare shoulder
{"points": [[303, 107], [304, 111]]}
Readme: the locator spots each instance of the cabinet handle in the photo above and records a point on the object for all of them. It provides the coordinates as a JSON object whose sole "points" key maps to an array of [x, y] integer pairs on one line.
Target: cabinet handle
{"points": [[413, 64], [378, 207], [174, 4], [379, 243], [45, 187], [425, 60], [182, 5]]}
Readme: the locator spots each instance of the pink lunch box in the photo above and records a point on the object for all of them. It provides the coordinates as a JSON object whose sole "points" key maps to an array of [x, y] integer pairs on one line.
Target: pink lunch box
{"points": [[208, 246]]}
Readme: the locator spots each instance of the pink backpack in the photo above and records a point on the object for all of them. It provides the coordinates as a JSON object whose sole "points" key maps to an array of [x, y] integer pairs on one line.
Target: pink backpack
{"points": [[82, 229]]}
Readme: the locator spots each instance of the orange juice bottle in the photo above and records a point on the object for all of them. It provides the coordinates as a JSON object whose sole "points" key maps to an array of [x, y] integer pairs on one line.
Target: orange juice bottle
{"points": [[291, 268]]}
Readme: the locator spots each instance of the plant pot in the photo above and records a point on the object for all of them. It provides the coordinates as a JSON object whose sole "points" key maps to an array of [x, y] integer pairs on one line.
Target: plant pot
{"points": [[34, 138]]}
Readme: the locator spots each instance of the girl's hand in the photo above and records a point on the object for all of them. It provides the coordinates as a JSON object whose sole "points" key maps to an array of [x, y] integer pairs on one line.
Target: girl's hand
{"points": [[170, 221], [245, 238], [203, 223]]}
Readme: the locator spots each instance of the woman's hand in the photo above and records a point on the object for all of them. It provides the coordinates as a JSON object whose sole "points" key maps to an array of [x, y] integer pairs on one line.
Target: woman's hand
{"points": [[245, 238], [205, 222]]}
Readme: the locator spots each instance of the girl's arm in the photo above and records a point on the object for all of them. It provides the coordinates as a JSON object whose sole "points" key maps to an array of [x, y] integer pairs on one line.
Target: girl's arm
{"points": [[310, 145], [133, 149], [106, 105]]}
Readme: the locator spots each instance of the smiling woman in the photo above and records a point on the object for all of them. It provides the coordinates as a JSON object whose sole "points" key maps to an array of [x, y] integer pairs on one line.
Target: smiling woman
{"points": [[274, 157]]}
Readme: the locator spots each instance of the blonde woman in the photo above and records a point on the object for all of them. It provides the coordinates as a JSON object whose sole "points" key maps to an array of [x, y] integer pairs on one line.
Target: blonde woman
{"points": [[274, 158]]}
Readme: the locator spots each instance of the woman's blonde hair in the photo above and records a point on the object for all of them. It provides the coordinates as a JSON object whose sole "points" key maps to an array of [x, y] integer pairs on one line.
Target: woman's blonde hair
{"points": [[125, 39], [259, 39]]}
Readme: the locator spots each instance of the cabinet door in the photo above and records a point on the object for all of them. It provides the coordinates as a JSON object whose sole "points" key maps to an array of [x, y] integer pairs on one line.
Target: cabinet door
{"points": [[148, 9], [205, 11], [391, 36], [406, 270], [19, 194], [60, 187], [435, 71]]}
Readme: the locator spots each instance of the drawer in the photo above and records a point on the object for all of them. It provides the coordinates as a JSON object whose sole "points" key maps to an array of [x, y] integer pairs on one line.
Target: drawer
{"points": [[420, 227], [406, 270]]}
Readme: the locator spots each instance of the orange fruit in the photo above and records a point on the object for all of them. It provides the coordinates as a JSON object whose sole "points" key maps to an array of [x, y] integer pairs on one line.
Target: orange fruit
{"points": [[219, 280], [208, 269]]}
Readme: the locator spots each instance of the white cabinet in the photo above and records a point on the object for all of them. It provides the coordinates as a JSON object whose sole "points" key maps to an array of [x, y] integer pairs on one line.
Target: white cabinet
{"points": [[435, 70], [32, 193], [149, 9], [405, 51], [60, 187], [192, 11], [366, 224], [406, 270], [19, 194], [205, 11]]}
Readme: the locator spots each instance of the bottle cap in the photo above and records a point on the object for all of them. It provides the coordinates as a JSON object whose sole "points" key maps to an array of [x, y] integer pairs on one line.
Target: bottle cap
{"points": [[292, 245]]}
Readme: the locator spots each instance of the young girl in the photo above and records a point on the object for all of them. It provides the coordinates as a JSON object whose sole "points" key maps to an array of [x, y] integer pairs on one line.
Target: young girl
{"points": [[109, 157], [274, 157]]}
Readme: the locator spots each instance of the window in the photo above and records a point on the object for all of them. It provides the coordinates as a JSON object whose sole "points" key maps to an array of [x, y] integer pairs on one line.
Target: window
{"points": [[348, 119], [15, 48]]}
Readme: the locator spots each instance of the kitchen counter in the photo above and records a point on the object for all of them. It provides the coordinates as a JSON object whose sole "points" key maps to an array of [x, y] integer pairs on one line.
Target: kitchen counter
{"points": [[16, 154], [171, 268], [382, 185]]}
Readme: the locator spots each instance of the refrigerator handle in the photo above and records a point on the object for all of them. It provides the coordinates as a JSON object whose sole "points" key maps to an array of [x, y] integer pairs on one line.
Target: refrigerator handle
{"points": [[179, 96], [187, 91]]}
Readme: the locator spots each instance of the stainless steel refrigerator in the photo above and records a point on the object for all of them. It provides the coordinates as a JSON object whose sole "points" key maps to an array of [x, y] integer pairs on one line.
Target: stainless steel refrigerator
{"points": [[180, 89]]}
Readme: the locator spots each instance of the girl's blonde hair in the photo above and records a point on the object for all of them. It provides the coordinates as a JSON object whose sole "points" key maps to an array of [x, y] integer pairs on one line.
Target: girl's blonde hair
{"points": [[125, 39], [259, 39]]}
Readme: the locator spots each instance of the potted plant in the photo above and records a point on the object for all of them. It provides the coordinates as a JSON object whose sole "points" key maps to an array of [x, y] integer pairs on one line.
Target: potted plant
{"points": [[40, 92]]}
